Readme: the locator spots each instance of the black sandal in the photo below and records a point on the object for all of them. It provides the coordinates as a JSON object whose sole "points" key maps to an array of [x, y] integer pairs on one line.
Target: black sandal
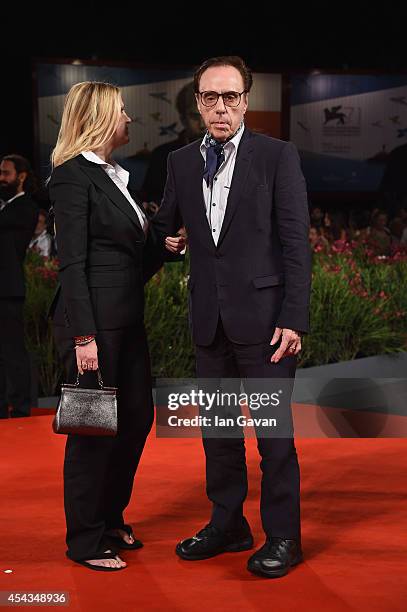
{"points": [[101, 568], [120, 543]]}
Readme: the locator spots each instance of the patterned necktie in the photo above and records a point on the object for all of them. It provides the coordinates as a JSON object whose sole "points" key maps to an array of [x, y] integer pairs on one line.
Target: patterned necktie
{"points": [[214, 158], [215, 155]]}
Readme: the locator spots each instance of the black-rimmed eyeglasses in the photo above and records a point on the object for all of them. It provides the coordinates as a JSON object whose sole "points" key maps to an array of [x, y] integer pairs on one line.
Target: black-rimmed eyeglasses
{"points": [[230, 98]]}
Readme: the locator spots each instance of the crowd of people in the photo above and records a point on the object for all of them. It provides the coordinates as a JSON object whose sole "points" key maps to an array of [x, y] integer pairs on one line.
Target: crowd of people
{"points": [[377, 229]]}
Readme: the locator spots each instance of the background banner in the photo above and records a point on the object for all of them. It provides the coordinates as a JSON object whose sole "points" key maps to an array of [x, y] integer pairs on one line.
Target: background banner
{"points": [[345, 126], [160, 102]]}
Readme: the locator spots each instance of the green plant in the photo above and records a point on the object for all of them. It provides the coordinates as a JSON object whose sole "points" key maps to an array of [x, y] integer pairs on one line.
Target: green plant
{"points": [[358, 305], [41, 278], [358, 308], [166, 319]]}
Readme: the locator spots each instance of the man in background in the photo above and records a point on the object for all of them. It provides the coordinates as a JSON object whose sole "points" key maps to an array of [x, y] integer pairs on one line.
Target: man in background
{"points": [[41, 242], [18, 218], [193, 128]]}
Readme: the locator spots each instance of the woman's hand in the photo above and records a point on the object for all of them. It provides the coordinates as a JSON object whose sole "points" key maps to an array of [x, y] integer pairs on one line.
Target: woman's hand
{"points": [[87, 357]]}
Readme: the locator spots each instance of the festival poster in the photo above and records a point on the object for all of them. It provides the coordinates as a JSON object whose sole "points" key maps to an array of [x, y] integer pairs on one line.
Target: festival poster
{"points": [[345, 126]]}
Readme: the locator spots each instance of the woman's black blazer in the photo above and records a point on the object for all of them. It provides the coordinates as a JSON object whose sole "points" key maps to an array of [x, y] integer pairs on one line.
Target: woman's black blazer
{"points": [[101, 249]]}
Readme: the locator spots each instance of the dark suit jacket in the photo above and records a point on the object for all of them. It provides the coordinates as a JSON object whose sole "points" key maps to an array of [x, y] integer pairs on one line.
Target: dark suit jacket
{"points": [[17, 224], [156, 175], [259, 274], [101, 249]]}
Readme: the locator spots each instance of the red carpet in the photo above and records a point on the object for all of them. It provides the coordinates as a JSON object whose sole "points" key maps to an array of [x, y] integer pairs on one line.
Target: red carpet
{"points": [[354, 529]]}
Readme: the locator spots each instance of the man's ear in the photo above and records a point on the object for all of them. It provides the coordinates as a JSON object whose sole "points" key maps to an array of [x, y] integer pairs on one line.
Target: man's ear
{"points": [[21, 177]]}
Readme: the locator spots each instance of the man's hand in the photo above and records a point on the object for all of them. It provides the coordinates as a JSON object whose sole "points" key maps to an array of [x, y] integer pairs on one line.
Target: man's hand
{"points": [[290, 343], [177, 244], [151, 208], [87, 357]]}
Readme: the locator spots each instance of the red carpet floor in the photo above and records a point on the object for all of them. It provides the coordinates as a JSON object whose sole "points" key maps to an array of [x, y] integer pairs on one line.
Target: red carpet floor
{"points": [[354, 529]]}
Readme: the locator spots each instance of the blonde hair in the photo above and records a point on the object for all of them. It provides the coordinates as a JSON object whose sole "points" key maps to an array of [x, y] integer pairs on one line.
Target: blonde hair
{"points": [[91, 114]]}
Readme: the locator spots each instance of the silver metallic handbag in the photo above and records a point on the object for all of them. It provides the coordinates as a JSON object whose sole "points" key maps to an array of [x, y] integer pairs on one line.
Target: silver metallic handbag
{"points": [[87, 412]]}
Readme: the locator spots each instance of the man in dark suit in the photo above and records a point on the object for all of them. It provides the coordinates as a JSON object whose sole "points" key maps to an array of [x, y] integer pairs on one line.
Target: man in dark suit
{"points": [[242, 198], [18, 218]]}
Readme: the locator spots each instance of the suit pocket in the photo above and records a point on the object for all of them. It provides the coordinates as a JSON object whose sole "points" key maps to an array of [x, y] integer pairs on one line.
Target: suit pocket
{"points": [[268, 281]]}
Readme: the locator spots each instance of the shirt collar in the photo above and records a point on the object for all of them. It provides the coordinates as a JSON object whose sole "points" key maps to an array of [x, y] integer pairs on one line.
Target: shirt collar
{"points": [[18, 195], [121, 172], [233, 142]]}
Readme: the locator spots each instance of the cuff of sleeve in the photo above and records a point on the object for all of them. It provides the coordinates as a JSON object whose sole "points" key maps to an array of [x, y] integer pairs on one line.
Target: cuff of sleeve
{"points": [[84, 339]]}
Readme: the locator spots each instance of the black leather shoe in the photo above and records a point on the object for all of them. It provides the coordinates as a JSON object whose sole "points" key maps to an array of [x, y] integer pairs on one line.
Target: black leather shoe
{"points": [[275, 558], [211, 541]]}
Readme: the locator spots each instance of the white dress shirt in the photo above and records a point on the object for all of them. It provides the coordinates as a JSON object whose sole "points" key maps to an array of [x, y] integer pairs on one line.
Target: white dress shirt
{"points": [[41, 243], [216, 196], [120, 177]]}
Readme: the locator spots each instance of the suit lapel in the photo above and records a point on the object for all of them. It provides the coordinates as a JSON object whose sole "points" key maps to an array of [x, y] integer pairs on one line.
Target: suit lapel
{"points": [[104, 182], [240, 172]]}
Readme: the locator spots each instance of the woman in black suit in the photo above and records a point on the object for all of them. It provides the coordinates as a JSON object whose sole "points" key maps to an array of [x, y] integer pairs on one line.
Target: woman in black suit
{"points": [[98, 317]]}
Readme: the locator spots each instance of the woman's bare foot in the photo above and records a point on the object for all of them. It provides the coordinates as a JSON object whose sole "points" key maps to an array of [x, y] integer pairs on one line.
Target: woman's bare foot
{"points": [[115, 561], [120, 533]]}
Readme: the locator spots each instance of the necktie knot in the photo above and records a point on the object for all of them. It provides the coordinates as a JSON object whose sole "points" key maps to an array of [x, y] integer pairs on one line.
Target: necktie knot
{"points": [[214, 158], [215, 155]]}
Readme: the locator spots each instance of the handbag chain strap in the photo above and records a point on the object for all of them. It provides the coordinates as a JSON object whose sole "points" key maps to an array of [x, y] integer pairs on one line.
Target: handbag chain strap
{"points": [[100, 381]]}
